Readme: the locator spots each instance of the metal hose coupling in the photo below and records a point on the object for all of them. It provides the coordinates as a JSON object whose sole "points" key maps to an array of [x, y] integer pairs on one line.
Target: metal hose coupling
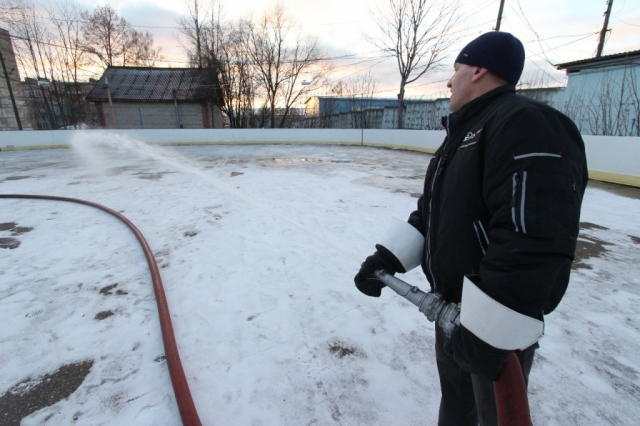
{"points": [[432, 305]]}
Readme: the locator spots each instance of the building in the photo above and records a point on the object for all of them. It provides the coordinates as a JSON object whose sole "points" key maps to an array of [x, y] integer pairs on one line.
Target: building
{"points": [[57, 104], [370, 113], [332, 105], [602, 97], [13, 108], [603, 94], [156, 98]]}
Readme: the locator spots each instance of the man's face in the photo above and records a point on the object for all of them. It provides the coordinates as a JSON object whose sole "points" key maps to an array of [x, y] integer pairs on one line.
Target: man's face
{"points": [[460, 85]]}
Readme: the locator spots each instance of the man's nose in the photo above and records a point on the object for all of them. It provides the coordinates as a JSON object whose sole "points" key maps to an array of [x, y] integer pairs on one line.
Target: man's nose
{"points": [[449, 83]]}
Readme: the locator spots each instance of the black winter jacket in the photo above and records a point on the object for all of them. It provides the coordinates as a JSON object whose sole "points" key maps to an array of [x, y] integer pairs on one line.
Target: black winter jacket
{"points": [[502, 199]]}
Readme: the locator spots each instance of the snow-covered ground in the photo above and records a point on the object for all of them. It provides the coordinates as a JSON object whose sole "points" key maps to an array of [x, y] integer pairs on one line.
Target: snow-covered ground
{"points": [[258, 246]]}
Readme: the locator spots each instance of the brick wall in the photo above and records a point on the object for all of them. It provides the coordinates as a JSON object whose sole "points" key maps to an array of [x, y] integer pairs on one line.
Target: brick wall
{"points": [[160, 115], [7, 114]]}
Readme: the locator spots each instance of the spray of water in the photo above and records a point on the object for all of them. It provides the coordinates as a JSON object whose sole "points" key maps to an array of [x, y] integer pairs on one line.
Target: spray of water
{"points": [[86, 144]]}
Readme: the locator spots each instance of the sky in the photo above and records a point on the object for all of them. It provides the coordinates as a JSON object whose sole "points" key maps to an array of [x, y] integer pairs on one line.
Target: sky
{"points": [[553, 32], [257, 248]]}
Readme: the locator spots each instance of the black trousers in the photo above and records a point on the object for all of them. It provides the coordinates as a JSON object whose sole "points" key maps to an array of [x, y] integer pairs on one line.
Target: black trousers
{"points": [[467, 399]]}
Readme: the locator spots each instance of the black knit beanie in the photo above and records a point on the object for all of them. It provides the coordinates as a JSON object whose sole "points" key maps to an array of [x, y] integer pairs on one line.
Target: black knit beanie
{"points": [[499, 52]]}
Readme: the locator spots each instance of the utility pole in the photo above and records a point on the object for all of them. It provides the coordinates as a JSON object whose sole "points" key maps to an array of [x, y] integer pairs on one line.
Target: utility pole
{"points": [[13, 99], [604, 31], [113, 114], [500, 15]]}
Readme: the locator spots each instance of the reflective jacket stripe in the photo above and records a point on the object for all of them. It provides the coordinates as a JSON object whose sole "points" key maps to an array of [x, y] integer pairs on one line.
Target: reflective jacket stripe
{"points": [[523, 188], [513, 207], [475, 227], [537, 154]]}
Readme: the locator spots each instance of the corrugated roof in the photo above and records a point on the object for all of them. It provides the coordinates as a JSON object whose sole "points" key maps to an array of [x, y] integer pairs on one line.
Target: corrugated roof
{"points": [[594, 61], [152, 84]]}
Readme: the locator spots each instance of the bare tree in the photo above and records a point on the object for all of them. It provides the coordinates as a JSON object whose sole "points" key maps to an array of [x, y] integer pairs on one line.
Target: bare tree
{"points": [[54, 53], [115, 40], [236, 74], [71, 56], [33, 42], [287, 63], [418, 33], [105, 33], [305, 73], [140, 52], [205, 39], [191, 27], [634, 101], [357, 91], [610, 106]]}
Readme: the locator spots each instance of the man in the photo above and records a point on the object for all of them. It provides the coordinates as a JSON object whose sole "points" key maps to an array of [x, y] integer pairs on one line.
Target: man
{"points": [[500, 213]]}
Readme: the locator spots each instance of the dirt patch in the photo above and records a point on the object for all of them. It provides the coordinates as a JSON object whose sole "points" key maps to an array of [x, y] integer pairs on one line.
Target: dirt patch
{"points": [[9, 243], [341, 350], [587, 248], [160, 358], [31, 395], [233, 174], [103, 315], [636, 240], [21, 230], [190, 234], [402, 191], [151, 176], [17, 177], [7, 226], [107, 291], [589, 225], [34, 313]]}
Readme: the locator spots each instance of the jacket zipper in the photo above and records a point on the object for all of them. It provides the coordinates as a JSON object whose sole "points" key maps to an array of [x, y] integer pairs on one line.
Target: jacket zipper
{"points": [[518, 196], [436, 173], [482, 236]]}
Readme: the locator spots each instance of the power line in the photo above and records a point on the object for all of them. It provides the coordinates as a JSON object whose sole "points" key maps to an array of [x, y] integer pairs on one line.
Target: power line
{"points": [[175, 27], [543, 52], [627, 23], [173, 60]]}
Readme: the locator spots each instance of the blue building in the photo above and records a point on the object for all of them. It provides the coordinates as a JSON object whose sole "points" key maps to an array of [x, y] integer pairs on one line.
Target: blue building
{"points": [[603, 94]]}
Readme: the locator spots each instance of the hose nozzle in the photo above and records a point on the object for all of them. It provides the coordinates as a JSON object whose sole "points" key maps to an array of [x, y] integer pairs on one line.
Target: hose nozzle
{"points": [[432, 305]]}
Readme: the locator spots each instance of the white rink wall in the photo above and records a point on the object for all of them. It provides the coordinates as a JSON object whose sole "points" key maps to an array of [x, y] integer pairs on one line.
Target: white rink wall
{"points": [[610, 158]]}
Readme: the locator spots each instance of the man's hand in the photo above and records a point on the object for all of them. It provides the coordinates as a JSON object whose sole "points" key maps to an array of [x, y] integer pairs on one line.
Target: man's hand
{"points": [[476, 356], [381, 259]]}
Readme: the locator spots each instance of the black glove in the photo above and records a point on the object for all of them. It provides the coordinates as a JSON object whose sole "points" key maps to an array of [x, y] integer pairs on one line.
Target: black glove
{"points": [[381, 259], [476, 356]]}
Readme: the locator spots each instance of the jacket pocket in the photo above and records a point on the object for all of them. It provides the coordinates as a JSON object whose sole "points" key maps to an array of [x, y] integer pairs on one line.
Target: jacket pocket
{"points": [[545, 205]]}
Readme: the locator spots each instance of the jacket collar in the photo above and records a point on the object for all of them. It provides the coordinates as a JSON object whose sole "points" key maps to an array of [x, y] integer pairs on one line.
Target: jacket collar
{"points": [[472, 107]]}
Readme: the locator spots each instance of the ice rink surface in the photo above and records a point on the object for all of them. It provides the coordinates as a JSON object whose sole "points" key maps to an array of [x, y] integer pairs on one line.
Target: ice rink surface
{"points": [[257, 247]]}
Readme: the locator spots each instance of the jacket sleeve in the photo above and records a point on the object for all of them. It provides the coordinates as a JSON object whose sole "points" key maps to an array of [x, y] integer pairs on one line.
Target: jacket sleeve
{"points": [[534, 179], [417, 217]]}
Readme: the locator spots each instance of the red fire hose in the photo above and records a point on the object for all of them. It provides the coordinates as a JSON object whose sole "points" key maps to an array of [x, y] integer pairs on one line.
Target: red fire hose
{"points": [[510, 389], [187, 408], [511, 395]]}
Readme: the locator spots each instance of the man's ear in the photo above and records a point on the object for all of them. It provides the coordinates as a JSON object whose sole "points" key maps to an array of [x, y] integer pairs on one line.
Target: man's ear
{"points": [[478, 73]]}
